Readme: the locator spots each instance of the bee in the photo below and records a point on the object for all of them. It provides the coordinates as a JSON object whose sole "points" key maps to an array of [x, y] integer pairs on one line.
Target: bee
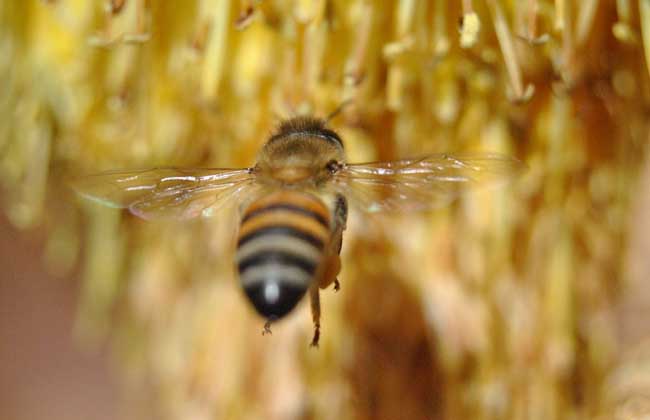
{"points": [[294, 204]]}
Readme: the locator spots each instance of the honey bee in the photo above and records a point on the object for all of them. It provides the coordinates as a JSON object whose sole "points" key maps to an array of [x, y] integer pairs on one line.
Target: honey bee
{"points": [[294, 204]]}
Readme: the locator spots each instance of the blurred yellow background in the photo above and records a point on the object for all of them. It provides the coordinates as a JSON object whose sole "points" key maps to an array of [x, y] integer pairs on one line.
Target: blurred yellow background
{"points": [[524, 302]]}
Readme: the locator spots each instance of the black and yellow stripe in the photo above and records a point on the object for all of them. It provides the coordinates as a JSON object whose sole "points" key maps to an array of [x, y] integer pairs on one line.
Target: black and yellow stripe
{"points": [[281, 243]]}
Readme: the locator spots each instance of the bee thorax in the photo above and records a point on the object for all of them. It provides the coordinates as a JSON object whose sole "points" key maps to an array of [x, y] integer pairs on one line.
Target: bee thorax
{"points": [[292, 174]]}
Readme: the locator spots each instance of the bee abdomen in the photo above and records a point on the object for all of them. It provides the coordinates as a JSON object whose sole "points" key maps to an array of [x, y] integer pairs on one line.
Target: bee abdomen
{"points": [[280, 247], [266, 257]]}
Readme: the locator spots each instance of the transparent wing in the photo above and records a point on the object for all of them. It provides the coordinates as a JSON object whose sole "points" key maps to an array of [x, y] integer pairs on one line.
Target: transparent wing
{"points": [[422, 183], [165, 193]]}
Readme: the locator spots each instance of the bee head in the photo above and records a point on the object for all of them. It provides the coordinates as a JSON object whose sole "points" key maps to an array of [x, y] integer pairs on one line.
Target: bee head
{"points": [[301, 149]]}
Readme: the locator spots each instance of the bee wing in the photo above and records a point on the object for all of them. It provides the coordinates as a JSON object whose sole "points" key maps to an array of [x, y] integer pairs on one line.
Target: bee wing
{"points": [[165, 193], [422, 183]]}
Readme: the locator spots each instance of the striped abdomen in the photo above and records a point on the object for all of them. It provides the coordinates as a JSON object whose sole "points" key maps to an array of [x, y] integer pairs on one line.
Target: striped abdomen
{"points": [[281, 244]]}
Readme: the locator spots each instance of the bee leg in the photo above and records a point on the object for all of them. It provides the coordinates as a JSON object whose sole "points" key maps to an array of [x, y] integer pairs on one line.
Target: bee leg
{"points": [[333, 261], [267, 327], [331, 270], [337, 264], [337, 284], [314, 299]]}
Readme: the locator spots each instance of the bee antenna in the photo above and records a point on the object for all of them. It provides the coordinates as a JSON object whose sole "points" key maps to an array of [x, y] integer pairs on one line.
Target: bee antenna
{"points": [[338, 109]]}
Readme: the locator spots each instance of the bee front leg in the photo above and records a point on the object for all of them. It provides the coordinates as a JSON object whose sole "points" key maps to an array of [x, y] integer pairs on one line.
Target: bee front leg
{"points": [[314, 299]]}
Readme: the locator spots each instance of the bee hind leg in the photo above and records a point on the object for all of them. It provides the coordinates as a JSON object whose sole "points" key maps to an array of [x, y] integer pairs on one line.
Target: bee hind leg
{"points": [[332, 269], [267, 326], [314, 299], [332, 266]]}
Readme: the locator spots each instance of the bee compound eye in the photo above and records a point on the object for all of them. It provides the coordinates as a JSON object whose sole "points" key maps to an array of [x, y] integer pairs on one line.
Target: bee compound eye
{"points": [[274, 299], [333, 166]]}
